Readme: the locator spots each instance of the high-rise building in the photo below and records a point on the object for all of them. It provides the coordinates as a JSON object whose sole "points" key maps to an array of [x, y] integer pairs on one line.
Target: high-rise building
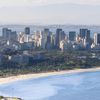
{"points": [[6, 33], [88, 38], [9, 34], [60, 35], [14, 36], [21, 37], [97, 38], [84, 33], [72, 35], [44, 37], [27, 30], [57, 41], [46, 30]]}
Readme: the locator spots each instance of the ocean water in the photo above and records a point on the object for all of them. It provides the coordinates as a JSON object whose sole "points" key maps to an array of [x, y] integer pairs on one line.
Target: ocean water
{"points": [[79, 86]]}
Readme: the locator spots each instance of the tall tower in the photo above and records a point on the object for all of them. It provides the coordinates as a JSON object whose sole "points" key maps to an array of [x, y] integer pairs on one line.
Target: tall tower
{"points": [[84, 33], [9, 34], [60, 35], [27, 30], [96, 38], [72, 35]]}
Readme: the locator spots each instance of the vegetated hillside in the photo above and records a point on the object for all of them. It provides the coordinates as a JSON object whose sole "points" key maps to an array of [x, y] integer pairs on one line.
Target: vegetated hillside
{"points": [[52, 61]]}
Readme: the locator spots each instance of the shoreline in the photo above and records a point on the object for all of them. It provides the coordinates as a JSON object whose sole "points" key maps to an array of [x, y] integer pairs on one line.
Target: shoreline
{"points": [[46, 74]]}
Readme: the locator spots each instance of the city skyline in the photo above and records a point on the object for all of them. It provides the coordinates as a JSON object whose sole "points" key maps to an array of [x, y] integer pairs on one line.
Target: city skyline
{"points": [[50, 12]]}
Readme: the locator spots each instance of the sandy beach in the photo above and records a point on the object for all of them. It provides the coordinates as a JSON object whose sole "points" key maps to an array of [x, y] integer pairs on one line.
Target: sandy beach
{"points": [[39, 75]]}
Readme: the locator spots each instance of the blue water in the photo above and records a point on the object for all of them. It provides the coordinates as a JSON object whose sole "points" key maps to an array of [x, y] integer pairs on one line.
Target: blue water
{"points": [[79, 86]]}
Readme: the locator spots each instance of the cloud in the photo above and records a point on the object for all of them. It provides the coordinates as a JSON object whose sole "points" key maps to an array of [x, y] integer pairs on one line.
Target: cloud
{"points": [[45, 2]]}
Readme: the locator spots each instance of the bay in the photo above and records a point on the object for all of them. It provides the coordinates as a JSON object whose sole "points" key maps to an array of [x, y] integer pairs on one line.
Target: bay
{"points": [[78, 86]]}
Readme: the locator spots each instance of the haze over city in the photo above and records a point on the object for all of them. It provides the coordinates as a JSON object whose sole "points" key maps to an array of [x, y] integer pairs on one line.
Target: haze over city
{"points": [[50, 12]]}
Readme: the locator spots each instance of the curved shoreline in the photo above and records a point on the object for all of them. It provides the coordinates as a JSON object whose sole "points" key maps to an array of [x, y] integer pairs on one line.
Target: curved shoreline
{"points": [[39, 75]]}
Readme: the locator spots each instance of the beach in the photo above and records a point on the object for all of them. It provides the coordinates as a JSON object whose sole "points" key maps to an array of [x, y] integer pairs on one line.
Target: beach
{"points": [[39, 75]]}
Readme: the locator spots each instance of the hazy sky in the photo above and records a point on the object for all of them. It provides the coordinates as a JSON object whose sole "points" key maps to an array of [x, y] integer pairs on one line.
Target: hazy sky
{"points": [[50, 11]]}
